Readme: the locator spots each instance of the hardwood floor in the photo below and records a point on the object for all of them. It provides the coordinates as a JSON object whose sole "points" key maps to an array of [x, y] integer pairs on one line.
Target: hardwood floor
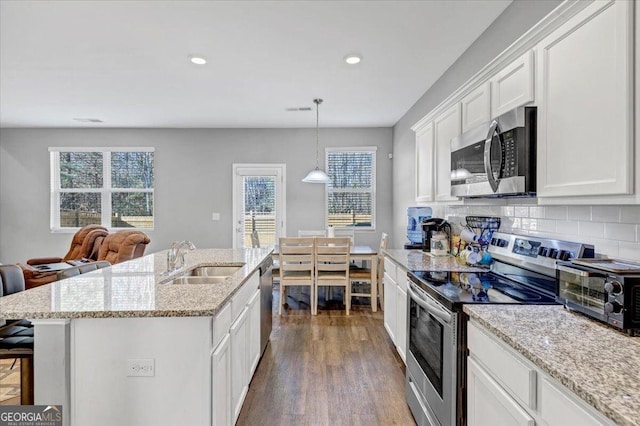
{"points": [[330, 369]]}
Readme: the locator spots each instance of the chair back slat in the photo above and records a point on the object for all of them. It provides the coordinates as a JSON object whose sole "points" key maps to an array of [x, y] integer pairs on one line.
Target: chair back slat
{"points": [[332, 254], [296, 254]]}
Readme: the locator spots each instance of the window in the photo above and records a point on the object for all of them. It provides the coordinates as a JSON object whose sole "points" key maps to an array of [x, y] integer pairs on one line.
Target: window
{"points": [[112, 187], [351, 194]]}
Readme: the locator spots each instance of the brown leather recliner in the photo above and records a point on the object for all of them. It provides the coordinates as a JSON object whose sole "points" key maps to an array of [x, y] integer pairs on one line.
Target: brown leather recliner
{"points": [[123, 245], [84, 244]]}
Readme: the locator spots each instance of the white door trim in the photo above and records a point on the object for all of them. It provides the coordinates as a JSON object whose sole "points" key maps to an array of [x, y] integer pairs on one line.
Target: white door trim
{"points": [[262, 169]]}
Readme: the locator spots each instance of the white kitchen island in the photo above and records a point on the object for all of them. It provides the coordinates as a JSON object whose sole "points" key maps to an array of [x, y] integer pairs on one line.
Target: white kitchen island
{"points": [[124, 345]]}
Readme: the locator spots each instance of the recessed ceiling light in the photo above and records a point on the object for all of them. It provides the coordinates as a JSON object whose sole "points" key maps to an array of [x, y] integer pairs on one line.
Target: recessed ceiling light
{"points": [[353, 58], [197, 59]]}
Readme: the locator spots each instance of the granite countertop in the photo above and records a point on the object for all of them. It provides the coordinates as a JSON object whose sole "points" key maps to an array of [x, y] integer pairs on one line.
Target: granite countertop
{"points": [[417, 260], [136, 288], [596, 362]]}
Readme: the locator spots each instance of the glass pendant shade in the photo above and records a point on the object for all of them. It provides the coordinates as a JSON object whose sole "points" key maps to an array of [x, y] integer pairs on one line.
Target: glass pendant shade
{"points": [[316, 175]]}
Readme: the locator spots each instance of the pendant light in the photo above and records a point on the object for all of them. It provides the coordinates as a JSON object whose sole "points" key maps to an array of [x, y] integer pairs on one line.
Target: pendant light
{"points": [[316, 175]]}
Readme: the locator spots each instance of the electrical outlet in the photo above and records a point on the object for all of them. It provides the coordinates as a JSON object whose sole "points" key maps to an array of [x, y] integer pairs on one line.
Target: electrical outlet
{"points": [[141, 367], [215, 216]]}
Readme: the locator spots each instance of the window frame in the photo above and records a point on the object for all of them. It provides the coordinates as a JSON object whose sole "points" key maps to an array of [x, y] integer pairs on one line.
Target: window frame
{"points": [[105, 191], [357, 149]]}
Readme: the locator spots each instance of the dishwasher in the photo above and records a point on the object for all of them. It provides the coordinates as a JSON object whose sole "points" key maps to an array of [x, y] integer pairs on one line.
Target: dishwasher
{"points": [[266, 302]]}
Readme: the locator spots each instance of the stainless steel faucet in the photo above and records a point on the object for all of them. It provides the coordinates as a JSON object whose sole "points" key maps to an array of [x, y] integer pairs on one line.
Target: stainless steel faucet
{"points": [[175, 256]]}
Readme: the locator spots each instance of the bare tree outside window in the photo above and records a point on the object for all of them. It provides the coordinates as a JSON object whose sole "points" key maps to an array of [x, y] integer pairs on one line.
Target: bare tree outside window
{"points": [[113, 188], [351, 192], [259, 208]]}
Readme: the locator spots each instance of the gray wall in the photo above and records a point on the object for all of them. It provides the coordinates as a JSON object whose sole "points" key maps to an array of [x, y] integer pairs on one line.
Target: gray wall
{"points": [[193, 179], [517, 19]]}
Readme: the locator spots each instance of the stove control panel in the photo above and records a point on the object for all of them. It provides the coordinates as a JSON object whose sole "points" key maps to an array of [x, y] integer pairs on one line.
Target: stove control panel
{"points": [[525, 249]]}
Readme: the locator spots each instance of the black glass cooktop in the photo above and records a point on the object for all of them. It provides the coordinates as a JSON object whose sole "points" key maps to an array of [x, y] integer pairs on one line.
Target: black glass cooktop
{"points": [[456, 288]]}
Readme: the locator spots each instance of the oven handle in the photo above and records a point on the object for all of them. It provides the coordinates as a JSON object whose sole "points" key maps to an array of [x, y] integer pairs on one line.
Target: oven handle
{"points": [[431, 307], [580, 272], [487, 156]]}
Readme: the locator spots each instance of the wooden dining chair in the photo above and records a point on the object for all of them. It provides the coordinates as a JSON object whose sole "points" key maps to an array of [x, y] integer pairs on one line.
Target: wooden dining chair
{"points": [[332, 267], [346, 232], [296, 266], [359, 276]]}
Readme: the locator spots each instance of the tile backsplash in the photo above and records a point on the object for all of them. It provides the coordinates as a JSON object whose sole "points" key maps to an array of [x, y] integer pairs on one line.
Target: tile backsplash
{"points": [[613, 230]]}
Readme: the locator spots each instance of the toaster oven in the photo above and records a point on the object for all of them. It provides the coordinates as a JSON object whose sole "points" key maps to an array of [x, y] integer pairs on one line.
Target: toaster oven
{"points": [[611, 297]]}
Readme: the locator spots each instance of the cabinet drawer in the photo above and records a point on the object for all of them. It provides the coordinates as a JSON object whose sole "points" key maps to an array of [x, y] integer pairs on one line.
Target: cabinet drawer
{"points": [[241, 298], [557, 408], [514, 374], [390, 268], [221, 324]]}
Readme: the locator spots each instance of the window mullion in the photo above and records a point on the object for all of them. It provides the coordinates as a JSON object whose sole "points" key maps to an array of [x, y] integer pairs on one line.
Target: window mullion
{"points": [[106, 189], [55, 190]]}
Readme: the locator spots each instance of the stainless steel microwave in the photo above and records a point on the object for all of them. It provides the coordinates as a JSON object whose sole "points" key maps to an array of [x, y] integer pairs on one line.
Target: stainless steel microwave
{"points": [[497, 158]]}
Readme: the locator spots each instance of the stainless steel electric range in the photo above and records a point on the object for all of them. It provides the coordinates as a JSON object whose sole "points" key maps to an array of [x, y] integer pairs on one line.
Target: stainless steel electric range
{"points": [[523, 272]]}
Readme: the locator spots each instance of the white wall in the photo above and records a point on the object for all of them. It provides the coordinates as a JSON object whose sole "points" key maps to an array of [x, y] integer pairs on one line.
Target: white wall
{"points": [[517, 19], [613, 230], [193, 179]]}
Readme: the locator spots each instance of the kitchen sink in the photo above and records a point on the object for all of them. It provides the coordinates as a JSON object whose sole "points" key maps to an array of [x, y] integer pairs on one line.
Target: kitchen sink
{"points": [[214, 271], [207, 275], [198, 280]]}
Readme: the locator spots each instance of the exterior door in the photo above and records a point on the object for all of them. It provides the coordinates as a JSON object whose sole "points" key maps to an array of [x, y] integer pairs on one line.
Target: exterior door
{"points": [[258, 200]]}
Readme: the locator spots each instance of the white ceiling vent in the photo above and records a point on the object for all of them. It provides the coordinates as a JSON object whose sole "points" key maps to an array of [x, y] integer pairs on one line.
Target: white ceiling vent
{"points": [[299, 109], [88, 120]]}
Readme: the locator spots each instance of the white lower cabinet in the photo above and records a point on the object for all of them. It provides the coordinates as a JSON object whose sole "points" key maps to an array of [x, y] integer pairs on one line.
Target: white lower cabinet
{"points": [[239, 362], [395, 305], [254, 332], [488, 403], [504, 388], [390, 308], [221, 383], [401, 320]]}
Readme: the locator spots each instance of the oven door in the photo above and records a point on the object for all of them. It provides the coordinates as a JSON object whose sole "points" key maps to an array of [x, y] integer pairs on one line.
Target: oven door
{"points": [[431, 358]]}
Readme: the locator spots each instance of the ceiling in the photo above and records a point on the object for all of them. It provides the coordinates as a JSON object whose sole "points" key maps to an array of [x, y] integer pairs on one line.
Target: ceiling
{"points": [[126, 62]]}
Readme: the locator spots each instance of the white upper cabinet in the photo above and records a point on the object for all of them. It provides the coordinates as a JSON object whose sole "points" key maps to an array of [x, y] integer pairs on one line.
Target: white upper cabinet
{"points": [[585, 104], [476, 107], [513, 85], [445, 127], [424, 163]]}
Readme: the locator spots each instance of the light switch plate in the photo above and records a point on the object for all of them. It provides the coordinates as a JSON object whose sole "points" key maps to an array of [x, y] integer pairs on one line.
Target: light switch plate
{"points": [[215, 216]]}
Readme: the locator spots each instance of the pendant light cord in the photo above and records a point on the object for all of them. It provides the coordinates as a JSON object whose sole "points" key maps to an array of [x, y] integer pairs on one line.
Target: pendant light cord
{"points": [[317, 101]]}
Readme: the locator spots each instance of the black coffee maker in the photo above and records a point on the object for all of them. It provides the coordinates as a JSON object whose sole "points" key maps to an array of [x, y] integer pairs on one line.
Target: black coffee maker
{"points": [[431, 225]]}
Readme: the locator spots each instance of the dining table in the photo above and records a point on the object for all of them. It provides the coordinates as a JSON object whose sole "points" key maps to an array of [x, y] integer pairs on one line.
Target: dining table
{"points": [[359, 253]]}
